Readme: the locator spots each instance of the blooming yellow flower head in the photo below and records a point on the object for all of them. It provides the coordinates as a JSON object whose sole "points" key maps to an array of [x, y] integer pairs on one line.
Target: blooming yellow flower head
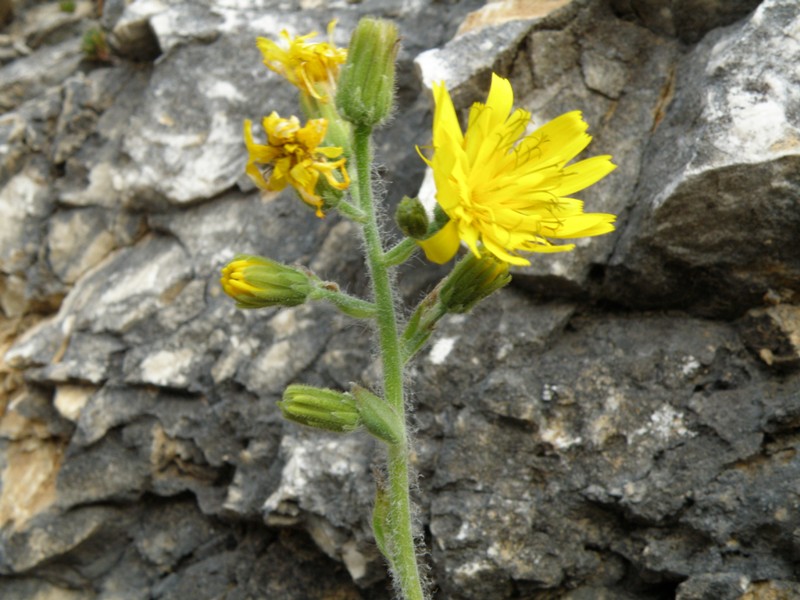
{"points": [[507, 191], [311, 66], [293, 156]]}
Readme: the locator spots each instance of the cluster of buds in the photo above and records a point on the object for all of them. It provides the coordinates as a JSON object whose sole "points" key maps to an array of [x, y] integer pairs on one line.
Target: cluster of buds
{"points": [[342, 412]]}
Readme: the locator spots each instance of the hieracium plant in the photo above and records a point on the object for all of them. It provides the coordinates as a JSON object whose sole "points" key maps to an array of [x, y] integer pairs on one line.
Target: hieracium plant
{"points": [[503, 190]]}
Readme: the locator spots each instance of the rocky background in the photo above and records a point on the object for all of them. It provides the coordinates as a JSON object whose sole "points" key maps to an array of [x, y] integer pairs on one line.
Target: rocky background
{"points": [[622, 423]]}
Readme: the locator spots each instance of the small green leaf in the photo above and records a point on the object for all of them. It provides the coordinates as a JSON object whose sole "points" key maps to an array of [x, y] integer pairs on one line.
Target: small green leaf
{"points": [[380, 518], [378, 417]]}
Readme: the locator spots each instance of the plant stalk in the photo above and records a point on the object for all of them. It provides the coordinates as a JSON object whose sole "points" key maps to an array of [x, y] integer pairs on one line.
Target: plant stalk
{"points": [[401, 545]]}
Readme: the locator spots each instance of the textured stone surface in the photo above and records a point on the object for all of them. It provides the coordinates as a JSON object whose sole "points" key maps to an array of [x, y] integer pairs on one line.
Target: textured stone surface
{"points": [[622, 424], [733, 125], [689, 20], [661, 443]]}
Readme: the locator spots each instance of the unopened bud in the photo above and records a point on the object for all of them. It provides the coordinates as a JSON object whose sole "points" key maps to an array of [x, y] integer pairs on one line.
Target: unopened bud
{"points": [[411, 218], [365, 93], [257, 282], [471, 280], [321, 408]]}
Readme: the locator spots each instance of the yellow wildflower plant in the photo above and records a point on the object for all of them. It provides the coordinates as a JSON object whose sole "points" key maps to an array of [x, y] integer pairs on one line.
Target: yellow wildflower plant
{"points": [[506, 191], [313, 67], [292, 156]]}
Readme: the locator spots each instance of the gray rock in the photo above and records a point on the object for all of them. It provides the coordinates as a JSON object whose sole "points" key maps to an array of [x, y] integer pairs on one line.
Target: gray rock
{"points": [[31, 76], [689, 20], [88, 527], [773, 333], [612, 431], [486, 47], [713, 586], [48, 24], [568, 442], [25, 200], [24, 588], [732, 126], [132, 35], [337, 466], [187, 23]]}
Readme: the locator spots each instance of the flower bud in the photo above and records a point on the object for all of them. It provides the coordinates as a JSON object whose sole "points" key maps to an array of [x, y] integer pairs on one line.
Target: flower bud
{"points": [[471, 280], [365, 93], [378, 417], [321, 408], [411, 218], [256, 282]]}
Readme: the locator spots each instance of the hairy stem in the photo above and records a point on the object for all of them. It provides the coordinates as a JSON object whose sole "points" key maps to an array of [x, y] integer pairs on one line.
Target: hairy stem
{"points": [[400, 253], [399, 528]]}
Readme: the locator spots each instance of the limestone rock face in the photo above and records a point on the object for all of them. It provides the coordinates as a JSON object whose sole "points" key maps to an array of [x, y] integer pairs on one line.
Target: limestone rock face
{"points": [[733, 128], [620, 423]]}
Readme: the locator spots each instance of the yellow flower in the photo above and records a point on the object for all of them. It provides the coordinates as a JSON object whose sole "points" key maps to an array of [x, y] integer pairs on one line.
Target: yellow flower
{"points": [[293, 154], [510, 195], [311, 66], [256, 282]]}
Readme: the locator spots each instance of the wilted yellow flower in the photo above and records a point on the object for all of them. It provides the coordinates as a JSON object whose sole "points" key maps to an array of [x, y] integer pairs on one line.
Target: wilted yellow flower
{"points": [[508, 194], [311, 66], [293, 156]]}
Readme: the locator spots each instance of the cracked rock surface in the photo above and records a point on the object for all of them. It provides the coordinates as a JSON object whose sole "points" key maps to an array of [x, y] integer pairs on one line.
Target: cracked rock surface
{"points": [[620, 423]]}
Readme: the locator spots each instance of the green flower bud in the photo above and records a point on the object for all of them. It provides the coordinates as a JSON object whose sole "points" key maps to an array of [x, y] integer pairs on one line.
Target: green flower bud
{"points": [[320, 408], [256, 282], [411, 218], [471, 280], [365, 93], [377, 416]]}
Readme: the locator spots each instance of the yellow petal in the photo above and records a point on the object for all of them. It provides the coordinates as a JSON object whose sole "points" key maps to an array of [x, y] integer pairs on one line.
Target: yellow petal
{"points": [[445, 120], [503, 255], [558, 141], [442, 245], [500, 101], [583, 174], [585, 225]]}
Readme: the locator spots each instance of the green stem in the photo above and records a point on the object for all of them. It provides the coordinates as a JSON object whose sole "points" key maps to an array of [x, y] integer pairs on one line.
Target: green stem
{"points": [[351, 212], [349, 305], [401, 536], [421, 324], [401, 252]]}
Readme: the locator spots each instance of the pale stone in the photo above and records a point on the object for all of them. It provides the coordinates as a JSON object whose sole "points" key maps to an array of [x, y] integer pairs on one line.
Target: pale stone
{"points": [[78, 244], [167, 367], [12, 296], [495, 12], [20, 199], [69, 400], [29, 478]]}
